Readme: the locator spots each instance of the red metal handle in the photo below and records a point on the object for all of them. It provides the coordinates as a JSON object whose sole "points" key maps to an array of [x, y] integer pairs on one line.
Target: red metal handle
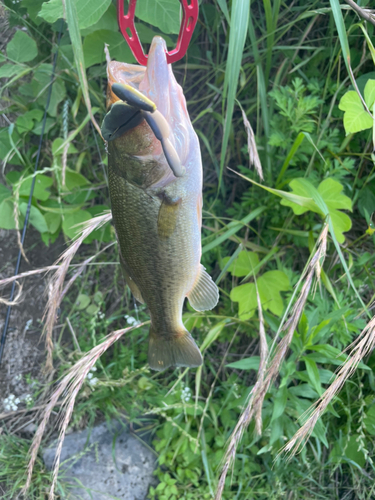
{"points": [[127, 27]]}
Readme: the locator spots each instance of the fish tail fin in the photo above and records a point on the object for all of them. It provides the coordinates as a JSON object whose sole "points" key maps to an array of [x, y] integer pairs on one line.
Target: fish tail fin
{"points": [[176, 349]]}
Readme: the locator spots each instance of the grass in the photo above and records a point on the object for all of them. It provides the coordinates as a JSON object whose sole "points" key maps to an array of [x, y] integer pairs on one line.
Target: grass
{"points": [[296, 52]]}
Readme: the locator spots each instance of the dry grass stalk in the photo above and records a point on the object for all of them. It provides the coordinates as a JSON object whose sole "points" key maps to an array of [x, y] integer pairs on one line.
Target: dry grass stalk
{"points": [[17, 298], [263, 352], [251, 146], [7, 281], [264, 381], [68, 389], [56, 290], [360, 348]]}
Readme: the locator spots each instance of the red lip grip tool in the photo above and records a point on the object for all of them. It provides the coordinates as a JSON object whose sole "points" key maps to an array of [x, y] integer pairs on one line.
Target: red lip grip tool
{"points": [[189, 20]]}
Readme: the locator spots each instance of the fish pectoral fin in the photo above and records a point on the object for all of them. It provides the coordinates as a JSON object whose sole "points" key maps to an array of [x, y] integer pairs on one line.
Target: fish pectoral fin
{"points": [[173, 349], [130, 282], [205, 294], [167, 218]]}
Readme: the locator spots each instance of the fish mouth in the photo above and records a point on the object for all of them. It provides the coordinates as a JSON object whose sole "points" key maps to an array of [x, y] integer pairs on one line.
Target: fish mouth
{"points": [[158, 83]]}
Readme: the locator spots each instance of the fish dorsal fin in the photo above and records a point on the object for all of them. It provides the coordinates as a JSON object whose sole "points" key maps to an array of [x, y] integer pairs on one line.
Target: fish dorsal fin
{"points": [[205, 294], [167, 218], [130, 282]]}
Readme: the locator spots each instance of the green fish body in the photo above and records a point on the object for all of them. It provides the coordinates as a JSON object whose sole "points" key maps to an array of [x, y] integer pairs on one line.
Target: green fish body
{"points": [[155, 187]]}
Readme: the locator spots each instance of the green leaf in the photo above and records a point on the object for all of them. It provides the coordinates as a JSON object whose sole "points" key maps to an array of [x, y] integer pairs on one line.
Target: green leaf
{"points": [[270, 285], [38, 86], [24, 123], [243, 265], [6, 215], [233, 228], [53, 221], [42, 183], [82, 301], [347, 447], [93, 47], [8, 70], [246, 363], [313, 373], [22, 48], [36, 218], [71, 220], [213, 334], [164, 14], [279, 403], [369, 93], [356, 117], [74, 180], [237, 36], [330, 191], [88, 11], [4, 193], [57, 144]]}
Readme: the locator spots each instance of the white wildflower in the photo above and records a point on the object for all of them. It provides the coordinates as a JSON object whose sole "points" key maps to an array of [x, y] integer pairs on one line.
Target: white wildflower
{"points": [[11, 403], [186, 395]]}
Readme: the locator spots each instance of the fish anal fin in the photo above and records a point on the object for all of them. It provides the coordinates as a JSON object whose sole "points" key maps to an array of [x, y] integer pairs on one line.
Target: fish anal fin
{"points": [[167, 218], [205, 294], [130, 282], [175, 349]]}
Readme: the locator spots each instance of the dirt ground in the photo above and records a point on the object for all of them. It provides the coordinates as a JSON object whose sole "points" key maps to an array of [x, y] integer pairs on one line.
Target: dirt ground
{"points": [[24, 355]]}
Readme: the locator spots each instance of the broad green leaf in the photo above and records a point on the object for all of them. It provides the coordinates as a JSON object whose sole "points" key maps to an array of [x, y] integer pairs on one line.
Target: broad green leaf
{"points": [[331, 193], [8, 70], [74, 180], [7, 215], [36, 218], [269, 285], [24, 123], [245, 295], [369, 93], [42, 183], [243, 265], [164, 14], [53, 222], [246, 363], [356, 117], [88, 11], [71, 220], [347, 447], [22, 48], [2, 57], [4, 193], [38, 86], [57, 144], [82, 301], [93, 47], [369, 420]]}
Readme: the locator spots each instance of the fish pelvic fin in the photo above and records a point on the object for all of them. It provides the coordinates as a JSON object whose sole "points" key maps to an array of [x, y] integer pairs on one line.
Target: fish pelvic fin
{"points": [[176, 349], [205, 294]]}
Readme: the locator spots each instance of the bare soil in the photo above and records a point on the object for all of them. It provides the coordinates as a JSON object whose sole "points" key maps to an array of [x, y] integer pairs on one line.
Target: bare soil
{"points": [[24, 353]]}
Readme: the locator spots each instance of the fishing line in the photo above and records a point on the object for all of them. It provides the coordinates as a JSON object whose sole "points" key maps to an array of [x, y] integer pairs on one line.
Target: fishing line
{"points": [[19, 258]]}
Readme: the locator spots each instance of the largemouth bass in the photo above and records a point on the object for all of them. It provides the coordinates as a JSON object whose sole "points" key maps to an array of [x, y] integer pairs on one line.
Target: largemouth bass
{"points": [[155, 184]]}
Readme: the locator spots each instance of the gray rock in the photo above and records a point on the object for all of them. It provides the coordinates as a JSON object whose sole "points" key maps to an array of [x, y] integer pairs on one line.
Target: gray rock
{"points": [[92, 464]]}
